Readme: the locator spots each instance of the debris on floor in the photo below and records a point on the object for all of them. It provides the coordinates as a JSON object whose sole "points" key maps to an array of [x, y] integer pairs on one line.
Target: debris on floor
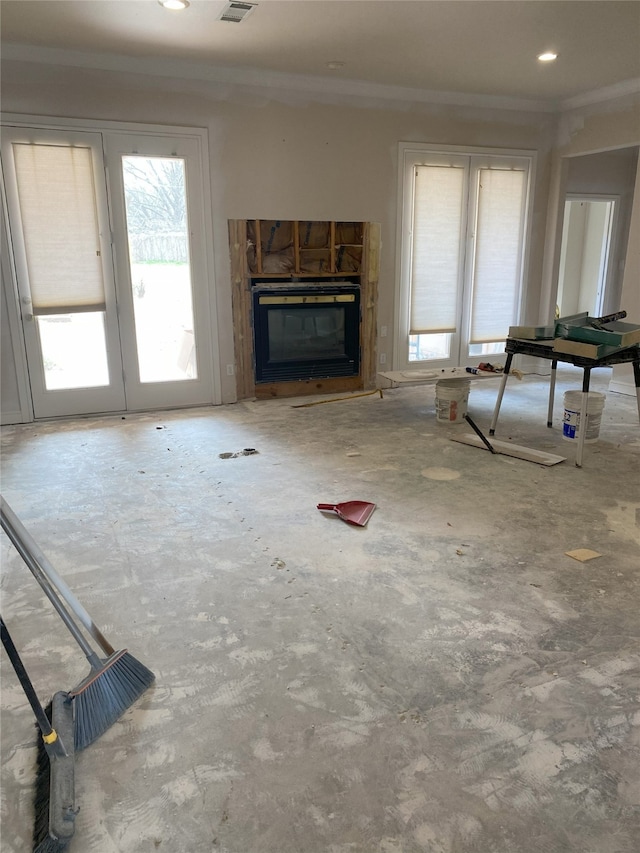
{"points": [[338, 399], [583, 554], [529, 454], [248, 451]]}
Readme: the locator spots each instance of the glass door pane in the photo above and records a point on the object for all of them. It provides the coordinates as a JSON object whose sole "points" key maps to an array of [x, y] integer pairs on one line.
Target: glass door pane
{"points": [[497, 260], [431, 347], [62, 338], [160, 269], [157, 189]]}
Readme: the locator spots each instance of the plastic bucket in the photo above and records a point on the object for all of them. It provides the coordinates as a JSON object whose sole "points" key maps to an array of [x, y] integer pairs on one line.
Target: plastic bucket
{"points": [[452, 397], [571, 423]]}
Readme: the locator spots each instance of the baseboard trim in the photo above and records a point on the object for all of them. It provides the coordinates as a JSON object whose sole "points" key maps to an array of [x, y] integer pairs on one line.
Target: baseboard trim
{"points": [[10, 418]]}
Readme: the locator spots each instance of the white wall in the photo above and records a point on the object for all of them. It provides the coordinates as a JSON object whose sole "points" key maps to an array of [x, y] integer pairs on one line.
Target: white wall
{"points": [[622, 380], [583, 138], [278, 154], [610, 173], [11, 403], [14, 402], [582, 134]]}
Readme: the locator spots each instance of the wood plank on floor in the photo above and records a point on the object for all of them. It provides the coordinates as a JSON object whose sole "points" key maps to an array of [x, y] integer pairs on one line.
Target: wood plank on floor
{"points": [[506, 448]]}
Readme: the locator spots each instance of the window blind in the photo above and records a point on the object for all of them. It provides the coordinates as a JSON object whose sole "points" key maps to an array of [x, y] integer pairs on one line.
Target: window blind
{"points": [[435, 251], [60, 224], [501, 197]]}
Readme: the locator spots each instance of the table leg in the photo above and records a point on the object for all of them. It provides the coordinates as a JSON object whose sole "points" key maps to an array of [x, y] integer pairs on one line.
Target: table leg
{"points": [[636, 376], [552, 391], [496, 411], [583, 416]]}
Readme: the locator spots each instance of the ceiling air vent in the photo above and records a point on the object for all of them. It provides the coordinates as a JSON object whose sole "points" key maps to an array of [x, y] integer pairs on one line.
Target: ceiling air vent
{"points": [[237, 12]]}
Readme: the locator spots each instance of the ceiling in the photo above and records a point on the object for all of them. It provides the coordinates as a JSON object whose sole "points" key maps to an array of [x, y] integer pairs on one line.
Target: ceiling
{"points": [[448, 51]]}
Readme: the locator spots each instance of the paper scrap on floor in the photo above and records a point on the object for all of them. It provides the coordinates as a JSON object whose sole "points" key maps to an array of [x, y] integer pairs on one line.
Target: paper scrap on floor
{"points": [[583, 554]]}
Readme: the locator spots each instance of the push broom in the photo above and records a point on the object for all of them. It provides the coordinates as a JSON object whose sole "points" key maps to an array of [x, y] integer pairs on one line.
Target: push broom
{"points": [[54, 800], [113, 684]]}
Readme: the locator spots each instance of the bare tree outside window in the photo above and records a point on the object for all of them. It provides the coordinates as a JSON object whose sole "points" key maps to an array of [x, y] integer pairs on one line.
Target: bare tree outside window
{"points": [[156, 210], [158, 233]]}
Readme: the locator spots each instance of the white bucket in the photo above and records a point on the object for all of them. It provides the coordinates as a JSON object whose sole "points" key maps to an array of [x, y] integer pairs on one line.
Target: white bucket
{"points": [[452, 396], [572, 415]]}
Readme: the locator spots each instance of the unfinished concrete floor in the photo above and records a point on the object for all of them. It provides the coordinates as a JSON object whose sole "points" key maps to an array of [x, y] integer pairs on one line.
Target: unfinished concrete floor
{"points": [[444, 680]]}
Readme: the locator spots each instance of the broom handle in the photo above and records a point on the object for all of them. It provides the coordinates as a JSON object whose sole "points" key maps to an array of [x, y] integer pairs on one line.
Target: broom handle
{"points": [[48, 733], [40, 565], [48, 590], [476, 429]]}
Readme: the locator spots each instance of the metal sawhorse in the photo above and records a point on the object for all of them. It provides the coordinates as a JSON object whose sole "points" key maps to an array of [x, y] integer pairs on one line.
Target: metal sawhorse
{"points": [[544, 349]]}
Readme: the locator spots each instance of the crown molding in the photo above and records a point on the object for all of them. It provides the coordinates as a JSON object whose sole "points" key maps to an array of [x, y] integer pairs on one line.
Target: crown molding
{"points": [[323, 88], [606, 93]]}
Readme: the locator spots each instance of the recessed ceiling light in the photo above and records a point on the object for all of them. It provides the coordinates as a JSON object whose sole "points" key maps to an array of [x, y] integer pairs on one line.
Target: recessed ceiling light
{"points": [[334, 65], [549, 56], [174, 5]]}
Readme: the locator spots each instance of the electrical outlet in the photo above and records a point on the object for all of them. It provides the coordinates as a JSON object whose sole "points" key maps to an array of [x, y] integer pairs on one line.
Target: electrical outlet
{"points": [[230, 370], [383, 331], [383, 358]]}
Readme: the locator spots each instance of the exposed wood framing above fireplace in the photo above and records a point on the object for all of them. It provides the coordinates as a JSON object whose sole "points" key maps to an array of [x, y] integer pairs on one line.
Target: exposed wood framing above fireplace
{"points": [[242, 278]]}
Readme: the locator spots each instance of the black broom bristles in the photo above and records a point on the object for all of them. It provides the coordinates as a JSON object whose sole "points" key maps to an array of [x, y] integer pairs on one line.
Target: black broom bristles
{"points": [[54, 796], [105, 694]]}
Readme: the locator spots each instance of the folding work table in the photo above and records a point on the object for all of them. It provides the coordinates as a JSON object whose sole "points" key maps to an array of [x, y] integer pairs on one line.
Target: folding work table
{"points": [[544, 349]]}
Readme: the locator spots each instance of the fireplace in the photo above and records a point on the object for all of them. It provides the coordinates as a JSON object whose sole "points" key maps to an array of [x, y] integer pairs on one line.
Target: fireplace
{"points": [[306, 331]]}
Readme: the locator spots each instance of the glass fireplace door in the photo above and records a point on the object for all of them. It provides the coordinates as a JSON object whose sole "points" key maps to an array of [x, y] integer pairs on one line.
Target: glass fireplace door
{"points": [[306, 334]]}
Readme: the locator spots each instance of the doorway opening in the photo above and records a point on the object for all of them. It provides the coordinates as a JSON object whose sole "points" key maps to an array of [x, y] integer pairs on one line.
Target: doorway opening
{"points": [[585, 255]]}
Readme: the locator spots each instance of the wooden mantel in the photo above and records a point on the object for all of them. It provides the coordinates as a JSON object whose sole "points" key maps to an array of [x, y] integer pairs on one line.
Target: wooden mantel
{"points": [[241, 281]]}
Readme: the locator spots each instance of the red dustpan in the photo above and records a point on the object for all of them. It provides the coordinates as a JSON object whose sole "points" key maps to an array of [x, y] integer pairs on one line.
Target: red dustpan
{"points": [[353, 512]]}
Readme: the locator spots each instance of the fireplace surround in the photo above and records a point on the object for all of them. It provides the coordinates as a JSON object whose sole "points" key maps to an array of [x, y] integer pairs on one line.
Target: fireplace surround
{"points": [[284, 257]]}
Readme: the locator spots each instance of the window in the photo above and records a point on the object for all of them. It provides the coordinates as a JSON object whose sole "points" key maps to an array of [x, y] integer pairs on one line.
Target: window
{"points": [[462, 247]]}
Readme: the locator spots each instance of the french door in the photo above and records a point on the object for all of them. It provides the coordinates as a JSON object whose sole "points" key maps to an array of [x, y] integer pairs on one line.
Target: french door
{"points": [[108, 239], [462, 249]]}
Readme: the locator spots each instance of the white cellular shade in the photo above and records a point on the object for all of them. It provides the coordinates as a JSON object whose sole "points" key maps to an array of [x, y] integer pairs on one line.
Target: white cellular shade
{"points": [[59, 219], [435, 254], [497, 262]]}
